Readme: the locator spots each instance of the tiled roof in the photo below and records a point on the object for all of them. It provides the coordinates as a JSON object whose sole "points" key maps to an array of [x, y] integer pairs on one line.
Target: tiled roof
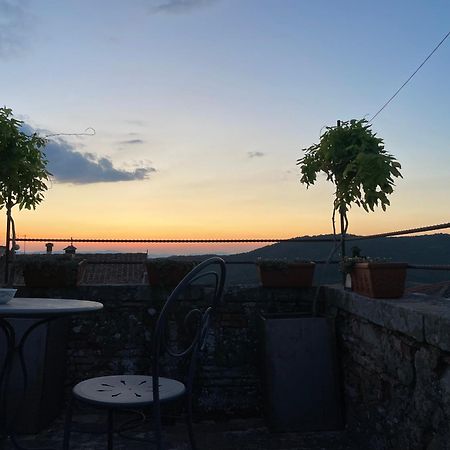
{"points": [[114, 268]]}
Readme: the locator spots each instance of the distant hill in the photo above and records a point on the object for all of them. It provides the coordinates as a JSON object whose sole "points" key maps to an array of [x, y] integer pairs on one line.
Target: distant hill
{"points": [[424, 249]]}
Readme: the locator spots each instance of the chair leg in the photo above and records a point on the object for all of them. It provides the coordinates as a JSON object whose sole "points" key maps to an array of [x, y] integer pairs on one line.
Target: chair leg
{"points": [[68, 424], [110, 428], [157, 426], [189, 422]]}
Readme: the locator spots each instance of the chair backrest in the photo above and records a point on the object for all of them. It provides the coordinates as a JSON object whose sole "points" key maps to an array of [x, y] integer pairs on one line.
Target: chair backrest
{"points": [[197, 320]]}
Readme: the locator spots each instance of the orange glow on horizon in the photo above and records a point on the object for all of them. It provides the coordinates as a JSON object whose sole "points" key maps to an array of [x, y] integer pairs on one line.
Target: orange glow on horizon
{"points": [[93, 214], [152, 249]]}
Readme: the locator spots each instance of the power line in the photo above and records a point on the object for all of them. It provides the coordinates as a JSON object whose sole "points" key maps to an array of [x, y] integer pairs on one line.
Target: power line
{"points": [[409, 79], [87, 132]]}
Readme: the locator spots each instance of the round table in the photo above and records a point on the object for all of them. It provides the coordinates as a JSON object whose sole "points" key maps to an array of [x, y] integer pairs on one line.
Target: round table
{"points": [[46, 307], [43, 309]]}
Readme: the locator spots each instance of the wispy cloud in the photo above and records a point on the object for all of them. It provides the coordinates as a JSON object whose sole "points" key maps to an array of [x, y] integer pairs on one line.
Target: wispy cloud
{"points": [[178, 6], [132, 142], [15, 24], [255, 154], [68, 165]]}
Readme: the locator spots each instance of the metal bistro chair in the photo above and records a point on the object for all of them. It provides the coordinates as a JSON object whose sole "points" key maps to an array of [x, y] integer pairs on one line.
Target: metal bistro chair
{"points": [[121, 392]]}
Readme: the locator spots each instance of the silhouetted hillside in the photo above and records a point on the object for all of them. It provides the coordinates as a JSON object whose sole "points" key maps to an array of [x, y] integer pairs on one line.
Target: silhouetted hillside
{"points": [[425, 249]]}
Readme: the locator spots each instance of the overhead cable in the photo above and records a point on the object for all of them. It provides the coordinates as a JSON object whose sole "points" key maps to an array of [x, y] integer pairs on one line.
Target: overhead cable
{"points": [[412, 75]]}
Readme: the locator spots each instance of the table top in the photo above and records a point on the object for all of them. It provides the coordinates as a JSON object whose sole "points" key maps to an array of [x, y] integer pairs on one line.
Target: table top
{"points": [[39, 307]]}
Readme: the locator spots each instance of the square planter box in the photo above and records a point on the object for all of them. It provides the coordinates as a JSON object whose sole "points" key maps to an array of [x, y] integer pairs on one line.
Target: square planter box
{"points": [[51, 272], [287, 275], [379, 280], [167, 272]]}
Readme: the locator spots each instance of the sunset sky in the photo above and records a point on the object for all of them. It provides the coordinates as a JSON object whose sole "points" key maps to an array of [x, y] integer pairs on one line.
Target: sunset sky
{"points": [[201, 109]]}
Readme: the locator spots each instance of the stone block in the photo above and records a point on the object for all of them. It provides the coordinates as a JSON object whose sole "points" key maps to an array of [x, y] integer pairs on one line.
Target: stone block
{"points": [[437, 328], [397, 315]]}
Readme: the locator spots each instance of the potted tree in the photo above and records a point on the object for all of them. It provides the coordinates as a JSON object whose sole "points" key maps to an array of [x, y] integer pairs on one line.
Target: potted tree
{"points": [[283, 273], [354, 159], [23, 175]]}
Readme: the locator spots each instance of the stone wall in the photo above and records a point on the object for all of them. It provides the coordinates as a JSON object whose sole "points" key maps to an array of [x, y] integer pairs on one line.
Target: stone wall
{"points": [[394, 355], [118, 339], [395, 362]]}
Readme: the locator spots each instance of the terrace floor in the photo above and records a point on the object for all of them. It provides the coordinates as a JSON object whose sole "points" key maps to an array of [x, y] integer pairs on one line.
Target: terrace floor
{"points": [[236, 434]]}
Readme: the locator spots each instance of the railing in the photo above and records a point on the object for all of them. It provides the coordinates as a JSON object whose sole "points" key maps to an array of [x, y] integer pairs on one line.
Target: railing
{"points": [[243, 241], [336, 240]]}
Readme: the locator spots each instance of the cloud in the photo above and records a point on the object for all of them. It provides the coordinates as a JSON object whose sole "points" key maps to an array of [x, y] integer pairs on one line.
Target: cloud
{"points": [[132, 142], [255, 154], [15, 23], [178, 6], [67, 165]]}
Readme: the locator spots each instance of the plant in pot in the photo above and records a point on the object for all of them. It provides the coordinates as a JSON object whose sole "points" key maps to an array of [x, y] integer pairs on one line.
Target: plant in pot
{"points": [[354, 159], [23, 175], [374, 277], [167, 272], [53, 270], [276, 273]]}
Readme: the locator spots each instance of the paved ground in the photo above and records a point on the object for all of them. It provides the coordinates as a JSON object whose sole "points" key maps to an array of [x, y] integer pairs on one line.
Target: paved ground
{"points": [[242, 434]]}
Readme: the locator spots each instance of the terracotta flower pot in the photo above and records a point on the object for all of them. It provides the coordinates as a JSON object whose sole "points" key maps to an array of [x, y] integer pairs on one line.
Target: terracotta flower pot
{"points": [[379, 279], [167, 272]]}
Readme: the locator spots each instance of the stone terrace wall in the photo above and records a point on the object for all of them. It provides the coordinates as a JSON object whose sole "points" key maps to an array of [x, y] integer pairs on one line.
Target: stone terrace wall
{"points": [[394, 354], [118, 339], [395, 357]]}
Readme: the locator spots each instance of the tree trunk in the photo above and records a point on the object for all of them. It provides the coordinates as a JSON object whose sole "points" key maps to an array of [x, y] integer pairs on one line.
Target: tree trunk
{"points": [[343, 232], [8, 244]]}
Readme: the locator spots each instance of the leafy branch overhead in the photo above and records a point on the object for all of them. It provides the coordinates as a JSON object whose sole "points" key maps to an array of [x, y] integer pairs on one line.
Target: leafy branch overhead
{"points": [[354, 159], [23, 170]]}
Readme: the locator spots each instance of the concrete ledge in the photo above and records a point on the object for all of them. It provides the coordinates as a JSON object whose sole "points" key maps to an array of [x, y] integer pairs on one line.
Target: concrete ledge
{"points": [[422, 317]]}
